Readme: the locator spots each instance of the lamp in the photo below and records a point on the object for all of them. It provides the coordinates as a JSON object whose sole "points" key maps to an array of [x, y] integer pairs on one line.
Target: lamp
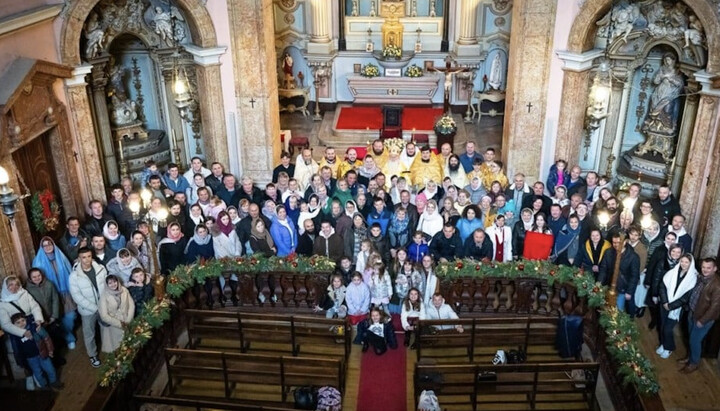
{"points": [[646, 222], [134, 207], [603, 219], [8, 198]]}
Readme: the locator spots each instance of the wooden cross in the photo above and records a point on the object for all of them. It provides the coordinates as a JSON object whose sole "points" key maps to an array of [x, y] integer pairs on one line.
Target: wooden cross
{"points": [[252, 102], [529, 106], [449, 71]]}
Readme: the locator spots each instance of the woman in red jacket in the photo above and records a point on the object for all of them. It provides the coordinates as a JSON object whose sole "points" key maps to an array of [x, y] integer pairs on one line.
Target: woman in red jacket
{"points": [[539, 240]]}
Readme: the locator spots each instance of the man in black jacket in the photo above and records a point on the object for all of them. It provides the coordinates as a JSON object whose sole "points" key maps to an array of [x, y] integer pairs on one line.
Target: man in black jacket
{"points": [[478, 246], [247, 191], [95, 222], [628, 275], [446, 245], [306, 241], [245, 225]]}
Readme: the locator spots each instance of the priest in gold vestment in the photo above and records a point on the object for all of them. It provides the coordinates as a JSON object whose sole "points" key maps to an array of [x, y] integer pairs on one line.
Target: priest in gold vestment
{"points": [[427, 167]]}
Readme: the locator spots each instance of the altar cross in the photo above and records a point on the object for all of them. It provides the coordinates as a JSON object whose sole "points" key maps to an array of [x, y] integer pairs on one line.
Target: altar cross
{"points": [[449, 71]]}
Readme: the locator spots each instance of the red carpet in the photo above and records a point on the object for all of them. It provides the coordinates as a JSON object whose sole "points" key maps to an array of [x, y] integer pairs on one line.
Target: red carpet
{"points": [[361, 118], [383, 380]]}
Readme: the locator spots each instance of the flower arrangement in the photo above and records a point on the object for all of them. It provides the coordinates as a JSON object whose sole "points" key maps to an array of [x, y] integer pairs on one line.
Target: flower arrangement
{"points": [[370, 70], [414, 71], [620, 329], [157, 310], [45, 211], [445, 125], [392, 51]]}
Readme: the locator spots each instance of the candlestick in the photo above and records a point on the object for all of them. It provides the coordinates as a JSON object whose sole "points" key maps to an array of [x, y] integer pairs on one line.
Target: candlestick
{"points": [[172, 136]]}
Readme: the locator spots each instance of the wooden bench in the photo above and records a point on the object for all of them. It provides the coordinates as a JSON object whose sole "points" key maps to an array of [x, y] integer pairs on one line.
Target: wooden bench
{"points": [[550, 386], [251, 378], [204, 404], [482, 336], [233, 330]]}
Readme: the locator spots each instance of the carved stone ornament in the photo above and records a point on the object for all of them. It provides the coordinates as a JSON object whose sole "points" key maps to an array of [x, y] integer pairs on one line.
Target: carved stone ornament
{"points": [[159, 27], [501, 6]]}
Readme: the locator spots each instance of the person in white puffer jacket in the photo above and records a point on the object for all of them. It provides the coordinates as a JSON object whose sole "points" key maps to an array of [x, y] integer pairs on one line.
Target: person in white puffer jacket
{"points": [[87, 282]]}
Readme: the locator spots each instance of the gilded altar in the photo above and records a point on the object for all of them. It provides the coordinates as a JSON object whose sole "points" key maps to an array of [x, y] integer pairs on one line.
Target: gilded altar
{"points": [[392, 29]]}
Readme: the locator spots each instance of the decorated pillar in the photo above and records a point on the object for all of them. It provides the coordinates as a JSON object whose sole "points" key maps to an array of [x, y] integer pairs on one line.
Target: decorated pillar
{"points": [[320, 41], [614, 125], [256, 86], [99, 81], [576, 82], [214, 132], [527, 88], [89, 166], [684, 136], [701, 166]]}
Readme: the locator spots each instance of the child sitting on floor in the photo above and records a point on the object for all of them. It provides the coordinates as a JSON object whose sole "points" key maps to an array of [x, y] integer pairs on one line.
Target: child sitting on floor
{"points": [[376, 330]]}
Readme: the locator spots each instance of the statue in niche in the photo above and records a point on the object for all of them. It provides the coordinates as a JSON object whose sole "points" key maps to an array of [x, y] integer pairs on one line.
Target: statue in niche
{"points": [[623, 19], [664, 104], [163, 21], [117, 87], [95, 36], [496, 74], [122, 112], [289, 80]]}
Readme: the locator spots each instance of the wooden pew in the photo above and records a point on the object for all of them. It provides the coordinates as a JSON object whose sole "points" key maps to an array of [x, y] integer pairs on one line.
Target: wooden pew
{"points": [[263, 379], [551, 386], [274, 332], [204, 404], [482, 336]]}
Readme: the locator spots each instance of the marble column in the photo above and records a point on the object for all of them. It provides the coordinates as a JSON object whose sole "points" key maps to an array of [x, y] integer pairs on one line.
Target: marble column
{"points": [[214, 132], [467, 43], [683, 145], [320, 41], [256, 86], [99, 81], [533, 23], [84, 131]]}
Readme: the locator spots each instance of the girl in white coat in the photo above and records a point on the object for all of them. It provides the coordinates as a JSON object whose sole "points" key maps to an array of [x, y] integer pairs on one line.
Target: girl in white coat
{"points": [[412, 310]]}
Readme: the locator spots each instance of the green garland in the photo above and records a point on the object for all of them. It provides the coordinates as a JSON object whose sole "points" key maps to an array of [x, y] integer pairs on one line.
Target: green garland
{"points": [[156, 312], [621, 330]]}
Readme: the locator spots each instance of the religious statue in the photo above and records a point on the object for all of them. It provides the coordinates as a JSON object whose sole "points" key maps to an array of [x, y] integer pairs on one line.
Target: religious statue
{"points": [[164, 25], [664, 103], [116, 82], [694, 32], [289, 80], [95, 36], [449, 71], [122, 112], [496, 73], [623, 19]]}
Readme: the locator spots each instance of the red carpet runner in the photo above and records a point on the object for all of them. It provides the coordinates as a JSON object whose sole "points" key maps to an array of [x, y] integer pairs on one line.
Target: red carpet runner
{"points": [[361, 118], [383, 379]]}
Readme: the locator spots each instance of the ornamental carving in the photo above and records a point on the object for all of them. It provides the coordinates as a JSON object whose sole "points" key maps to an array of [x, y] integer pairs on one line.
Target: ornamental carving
{"points": [[501, 6]]}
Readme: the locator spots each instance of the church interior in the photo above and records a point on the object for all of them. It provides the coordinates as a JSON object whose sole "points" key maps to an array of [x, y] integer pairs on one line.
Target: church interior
{"points": [[477, 109]]}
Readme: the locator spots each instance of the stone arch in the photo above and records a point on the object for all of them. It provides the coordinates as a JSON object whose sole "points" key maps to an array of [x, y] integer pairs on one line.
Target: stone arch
{"points": [[201, 27], [583, 28]]}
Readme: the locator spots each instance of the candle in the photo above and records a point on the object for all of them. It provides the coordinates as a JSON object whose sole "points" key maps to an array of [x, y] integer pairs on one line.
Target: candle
{"points": [[172, 135]]}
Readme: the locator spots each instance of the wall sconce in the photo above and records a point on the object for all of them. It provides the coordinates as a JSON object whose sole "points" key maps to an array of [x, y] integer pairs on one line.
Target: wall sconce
{"points": [[599, 97], [8, 198]]}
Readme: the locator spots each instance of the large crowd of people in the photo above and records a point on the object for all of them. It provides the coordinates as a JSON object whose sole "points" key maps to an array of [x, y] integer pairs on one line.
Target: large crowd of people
{"points": [[387, 219]]}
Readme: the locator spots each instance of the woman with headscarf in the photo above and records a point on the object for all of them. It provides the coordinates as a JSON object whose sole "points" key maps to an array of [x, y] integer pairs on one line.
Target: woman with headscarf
{"points": [[201, 247], [430, 222], [292, 206], [13, 300], [234, 215], [261, 241], [56, 268], [519, 229], [140, 248], [674, 293], [368, 170], [171, 249], [116, 309], [355, 235], [226, 245], [195, 217], [283, 233], [469, 222], [269, 209], [122, 265], [115, 240], [567, 242], [669, 261]]}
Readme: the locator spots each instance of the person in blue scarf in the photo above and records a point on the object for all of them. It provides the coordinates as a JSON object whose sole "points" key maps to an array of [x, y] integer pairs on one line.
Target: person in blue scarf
{"points": [[399, 229], [567, 243], [56, 267]]}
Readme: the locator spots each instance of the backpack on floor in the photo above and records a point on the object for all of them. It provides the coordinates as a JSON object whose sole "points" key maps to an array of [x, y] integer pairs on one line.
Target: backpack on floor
{"points": [[428, 401], [329, 399]]}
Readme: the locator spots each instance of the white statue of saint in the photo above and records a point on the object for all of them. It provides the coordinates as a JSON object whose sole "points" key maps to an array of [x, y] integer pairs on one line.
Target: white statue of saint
{"points": [[164, 25], [95, 36], [496, 73]]}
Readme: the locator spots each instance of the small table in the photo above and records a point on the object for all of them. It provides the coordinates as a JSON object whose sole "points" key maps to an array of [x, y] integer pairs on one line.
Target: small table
{"points": [[295, 92], [493, 97]]}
